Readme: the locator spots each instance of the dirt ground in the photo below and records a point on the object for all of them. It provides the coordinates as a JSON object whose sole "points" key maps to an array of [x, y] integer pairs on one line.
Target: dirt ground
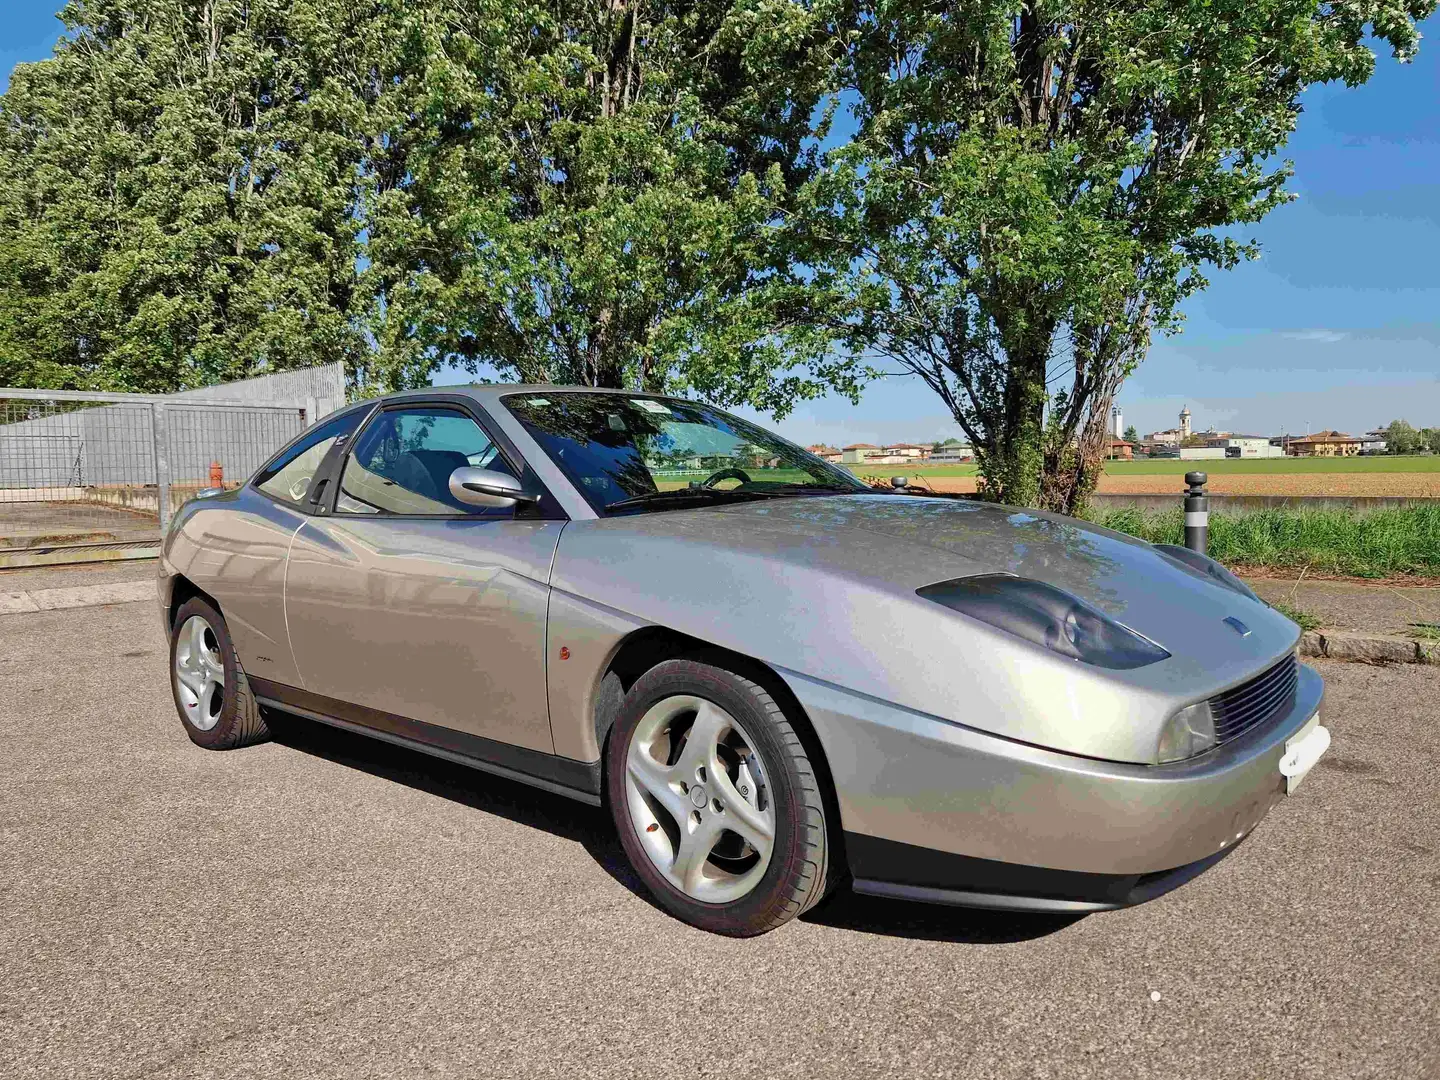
{"points": [[1413, 485]]}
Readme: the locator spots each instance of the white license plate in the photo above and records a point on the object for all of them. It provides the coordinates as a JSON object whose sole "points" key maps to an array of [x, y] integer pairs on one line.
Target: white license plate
{"points": [[1302, 751]]}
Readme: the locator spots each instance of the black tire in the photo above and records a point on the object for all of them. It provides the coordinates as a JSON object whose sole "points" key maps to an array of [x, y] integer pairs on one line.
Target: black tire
{"points": [[239, 722], [801, 869]]}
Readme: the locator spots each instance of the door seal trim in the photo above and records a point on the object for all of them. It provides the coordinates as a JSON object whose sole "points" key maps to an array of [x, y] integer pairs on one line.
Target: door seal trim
{"points": [[561, 776]]}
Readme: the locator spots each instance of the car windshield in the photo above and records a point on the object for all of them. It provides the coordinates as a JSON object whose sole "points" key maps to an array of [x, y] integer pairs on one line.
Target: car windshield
{"points": [[631, 454]]}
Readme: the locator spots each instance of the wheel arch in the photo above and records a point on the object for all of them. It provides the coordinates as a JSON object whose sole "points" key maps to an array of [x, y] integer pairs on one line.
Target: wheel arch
{"points": [[649, 646], [182, 589]]}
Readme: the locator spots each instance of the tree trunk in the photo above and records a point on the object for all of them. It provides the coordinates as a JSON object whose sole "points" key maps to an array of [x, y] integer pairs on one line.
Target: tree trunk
{"points": [[1011, 470]]}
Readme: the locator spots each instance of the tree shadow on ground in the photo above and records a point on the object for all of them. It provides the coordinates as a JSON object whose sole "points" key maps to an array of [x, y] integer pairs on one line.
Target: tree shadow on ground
{"points": [[592, 829]]}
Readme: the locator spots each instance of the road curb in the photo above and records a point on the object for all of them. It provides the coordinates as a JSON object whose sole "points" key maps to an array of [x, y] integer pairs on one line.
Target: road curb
{"points": [[1368, 648]]}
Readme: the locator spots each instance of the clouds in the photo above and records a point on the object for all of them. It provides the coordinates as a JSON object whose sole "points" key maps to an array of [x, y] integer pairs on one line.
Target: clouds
{"points": [[1327, 337]]}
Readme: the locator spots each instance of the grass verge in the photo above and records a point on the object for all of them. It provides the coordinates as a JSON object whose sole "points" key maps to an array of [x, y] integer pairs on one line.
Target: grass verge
{"points": [[1384, 544]]}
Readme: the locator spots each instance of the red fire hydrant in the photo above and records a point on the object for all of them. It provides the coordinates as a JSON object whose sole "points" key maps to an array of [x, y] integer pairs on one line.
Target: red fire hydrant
{"points": [[217, 474]]}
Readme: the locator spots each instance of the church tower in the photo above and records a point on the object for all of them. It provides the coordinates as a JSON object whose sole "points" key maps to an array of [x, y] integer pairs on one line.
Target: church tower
{"points": [[1185, 422]]}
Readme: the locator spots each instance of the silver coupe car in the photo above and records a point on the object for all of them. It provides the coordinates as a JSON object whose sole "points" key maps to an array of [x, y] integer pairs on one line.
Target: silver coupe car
{"points": [[775, 677]]}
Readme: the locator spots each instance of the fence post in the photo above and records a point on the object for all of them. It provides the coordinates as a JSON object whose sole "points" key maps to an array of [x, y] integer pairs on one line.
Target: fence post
{"points": [[162, 463], [1197, 512]]}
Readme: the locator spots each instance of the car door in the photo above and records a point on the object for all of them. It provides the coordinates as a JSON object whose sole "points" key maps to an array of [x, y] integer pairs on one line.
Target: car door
{"points": [[415, 607]]}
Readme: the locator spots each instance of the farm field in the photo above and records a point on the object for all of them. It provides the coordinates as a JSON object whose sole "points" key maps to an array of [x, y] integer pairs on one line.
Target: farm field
{"points": [[1373, 476]]}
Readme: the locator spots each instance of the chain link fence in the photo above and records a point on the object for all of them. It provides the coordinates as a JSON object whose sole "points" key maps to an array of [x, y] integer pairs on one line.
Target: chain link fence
{"points": [[82, 470]]}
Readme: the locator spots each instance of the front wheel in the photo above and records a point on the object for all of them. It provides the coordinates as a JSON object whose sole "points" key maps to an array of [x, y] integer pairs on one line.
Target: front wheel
{"points": [[716, 801], [211, 692]]}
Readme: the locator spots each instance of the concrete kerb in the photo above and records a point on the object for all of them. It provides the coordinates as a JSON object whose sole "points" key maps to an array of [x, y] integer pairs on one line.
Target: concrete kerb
{"points": [[1368, 648]]}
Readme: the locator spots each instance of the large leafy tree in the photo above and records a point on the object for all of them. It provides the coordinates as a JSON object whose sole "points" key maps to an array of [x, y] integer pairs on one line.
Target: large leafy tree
{"points": [[1034, 186], [177, 193], [597, 195], [581, 190]]}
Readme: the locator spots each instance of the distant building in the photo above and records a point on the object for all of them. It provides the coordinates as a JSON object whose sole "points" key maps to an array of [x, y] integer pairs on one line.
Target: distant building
{"points": [[1373, 442], [1117, 426], [1325, 444], [1184, 422], [1243, 446], [952, 454], [860, 453], [825, 453], [908, 451], [1121, 450]]}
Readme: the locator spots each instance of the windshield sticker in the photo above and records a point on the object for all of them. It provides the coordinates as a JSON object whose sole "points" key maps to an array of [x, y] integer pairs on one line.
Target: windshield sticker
{"points": [[537, 401], [651, 406]]}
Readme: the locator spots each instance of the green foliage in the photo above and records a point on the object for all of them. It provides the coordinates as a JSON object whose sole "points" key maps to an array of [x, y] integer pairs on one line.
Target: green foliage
{"points": [[1401, 438], [1035, 186], [1382, 544], [195, 190], [1132, 435], [1306, 620]]}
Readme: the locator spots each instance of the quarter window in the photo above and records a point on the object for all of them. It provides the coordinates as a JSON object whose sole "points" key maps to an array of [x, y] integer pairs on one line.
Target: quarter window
{"points": [[290, 475], [401, 464]]}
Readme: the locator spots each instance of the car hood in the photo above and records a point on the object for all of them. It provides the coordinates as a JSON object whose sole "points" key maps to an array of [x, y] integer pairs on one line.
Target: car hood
{"points": [[826, 587]]}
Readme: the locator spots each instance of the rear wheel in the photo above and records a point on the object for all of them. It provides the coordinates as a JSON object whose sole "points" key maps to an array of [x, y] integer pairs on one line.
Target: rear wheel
{"points": [[716, 801], [211, 692]]}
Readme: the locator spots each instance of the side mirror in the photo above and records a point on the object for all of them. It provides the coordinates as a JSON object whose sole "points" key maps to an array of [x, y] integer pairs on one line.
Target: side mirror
{"points": [[488, 488]]}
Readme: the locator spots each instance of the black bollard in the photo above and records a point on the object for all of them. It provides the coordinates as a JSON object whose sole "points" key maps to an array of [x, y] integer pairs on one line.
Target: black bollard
{"points": [[1197, 513]]}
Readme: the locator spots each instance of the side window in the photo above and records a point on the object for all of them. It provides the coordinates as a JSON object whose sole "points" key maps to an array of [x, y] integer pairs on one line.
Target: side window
{"points": [[288, 477], [401, 464]]}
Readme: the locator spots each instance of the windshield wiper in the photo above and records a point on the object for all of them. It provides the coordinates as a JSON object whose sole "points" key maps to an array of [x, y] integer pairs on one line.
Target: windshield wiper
{"points": [[699, 494]]}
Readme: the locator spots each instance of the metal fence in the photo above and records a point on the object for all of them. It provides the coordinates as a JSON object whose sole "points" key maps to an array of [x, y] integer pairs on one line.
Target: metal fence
{"points": [[83, 470]]}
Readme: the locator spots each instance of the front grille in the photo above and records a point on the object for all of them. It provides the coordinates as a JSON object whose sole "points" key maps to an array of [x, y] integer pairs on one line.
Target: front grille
{"points": [[1238, 710]]}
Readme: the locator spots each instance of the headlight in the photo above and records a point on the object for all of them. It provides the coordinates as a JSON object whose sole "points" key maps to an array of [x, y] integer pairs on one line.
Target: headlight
{"points": [[1189, 732], [1193, 560], [1047, 616]]}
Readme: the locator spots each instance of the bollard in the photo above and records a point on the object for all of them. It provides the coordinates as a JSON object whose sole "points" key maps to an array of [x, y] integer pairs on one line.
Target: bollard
{"points": [[898, 483], [1197, 513]]}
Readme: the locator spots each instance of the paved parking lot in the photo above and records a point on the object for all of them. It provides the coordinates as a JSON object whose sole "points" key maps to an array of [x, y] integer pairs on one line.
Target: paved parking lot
{"points": [[327, 906]]}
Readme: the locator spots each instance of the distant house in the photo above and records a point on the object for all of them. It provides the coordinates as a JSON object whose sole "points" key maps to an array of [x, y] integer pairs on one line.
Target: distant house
{"points": [[825, 453], [1243, 446], [1121, 450], [1373, 442], [907, 451], [860, 453], [1168, 437], [1325, 444], [952, 454]]}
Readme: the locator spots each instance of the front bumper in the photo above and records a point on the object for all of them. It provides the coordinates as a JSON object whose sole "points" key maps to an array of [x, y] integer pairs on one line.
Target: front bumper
{"points": [[940, 790]]}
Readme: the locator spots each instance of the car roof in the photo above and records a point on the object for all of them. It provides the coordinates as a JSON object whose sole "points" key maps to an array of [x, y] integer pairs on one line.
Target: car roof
{"points": [[489, 392]]}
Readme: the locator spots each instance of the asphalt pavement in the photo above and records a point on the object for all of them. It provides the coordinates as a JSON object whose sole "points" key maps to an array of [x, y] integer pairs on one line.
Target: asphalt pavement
{"points": [[328, 906]]}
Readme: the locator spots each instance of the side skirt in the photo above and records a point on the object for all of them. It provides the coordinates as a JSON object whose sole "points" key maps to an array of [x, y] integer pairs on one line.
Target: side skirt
{"points": [[562, 776]]}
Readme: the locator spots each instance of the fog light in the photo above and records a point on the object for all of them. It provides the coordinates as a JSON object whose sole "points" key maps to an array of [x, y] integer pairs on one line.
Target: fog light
{"points": [[1189, 732]]}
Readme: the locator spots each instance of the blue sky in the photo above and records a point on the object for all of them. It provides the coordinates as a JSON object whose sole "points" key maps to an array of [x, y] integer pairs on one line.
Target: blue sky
{"points": [[1336, 326]]}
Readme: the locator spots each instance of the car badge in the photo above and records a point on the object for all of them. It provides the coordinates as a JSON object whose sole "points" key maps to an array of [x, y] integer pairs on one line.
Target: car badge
{"points": [[1236, 625]]}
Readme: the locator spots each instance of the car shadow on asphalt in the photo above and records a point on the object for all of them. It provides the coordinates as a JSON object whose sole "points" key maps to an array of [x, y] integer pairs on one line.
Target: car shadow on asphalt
{"points": [[593, 830]]}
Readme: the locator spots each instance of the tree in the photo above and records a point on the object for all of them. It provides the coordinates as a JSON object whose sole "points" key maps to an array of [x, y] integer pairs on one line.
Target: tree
{"points": [[195, 190], [1401, 438], [620, 187], [176, 195], [1131, 435], [1033, 187]]}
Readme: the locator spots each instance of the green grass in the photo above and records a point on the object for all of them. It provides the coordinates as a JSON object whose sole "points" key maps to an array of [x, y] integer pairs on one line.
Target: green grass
{"points": [[1175, 467], [1304, 619], [1381, 464], [1383, 544]]}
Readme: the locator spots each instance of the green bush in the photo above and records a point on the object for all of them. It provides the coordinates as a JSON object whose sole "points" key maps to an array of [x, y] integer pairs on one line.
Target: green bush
{"points": [[1385, 543]]}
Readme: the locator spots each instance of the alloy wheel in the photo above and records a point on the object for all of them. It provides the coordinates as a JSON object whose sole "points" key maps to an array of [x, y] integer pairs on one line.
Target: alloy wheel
{"points": [[697, 796], [199, 673]]}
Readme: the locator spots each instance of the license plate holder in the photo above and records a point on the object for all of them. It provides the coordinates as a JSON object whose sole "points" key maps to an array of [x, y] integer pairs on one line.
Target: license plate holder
{"points": [[1302, 751]]}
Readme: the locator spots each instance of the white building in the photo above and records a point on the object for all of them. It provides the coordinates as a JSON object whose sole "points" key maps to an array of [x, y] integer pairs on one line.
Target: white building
{"points": [[954, 454]]}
